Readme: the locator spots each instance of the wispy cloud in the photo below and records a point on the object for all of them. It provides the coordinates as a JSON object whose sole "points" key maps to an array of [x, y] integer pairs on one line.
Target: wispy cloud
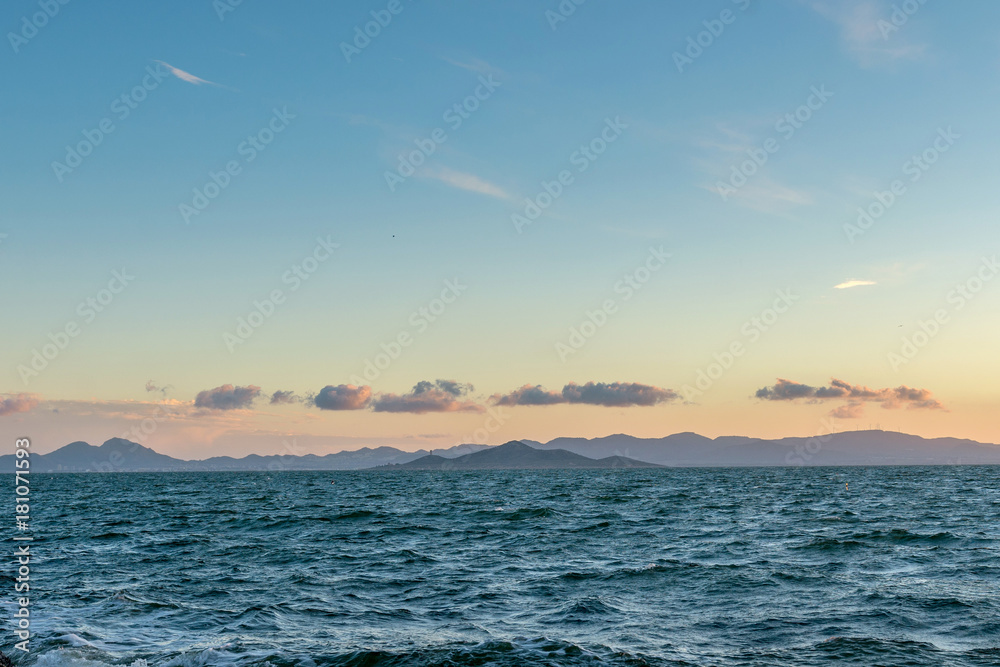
{"points": [[474, 65], [854, 283], [186, 76], [152, 386], [463, 181], [852, 410], [725, 148], [867, 32], [768, 196], [646, 233], [283, 397]]}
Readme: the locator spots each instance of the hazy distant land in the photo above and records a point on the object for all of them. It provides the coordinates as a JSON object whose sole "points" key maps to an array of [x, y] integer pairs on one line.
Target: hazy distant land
{"points": [[613, 451]]}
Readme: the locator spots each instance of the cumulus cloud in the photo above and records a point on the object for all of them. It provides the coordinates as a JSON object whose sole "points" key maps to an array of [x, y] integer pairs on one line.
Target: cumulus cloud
{"points": [[890, 398], [17, 403], [614, 394], [785, 390], [529, 395], [617, 394], [449, 386], [280, 397], [343, 397], [227, 397], [439, 396]]}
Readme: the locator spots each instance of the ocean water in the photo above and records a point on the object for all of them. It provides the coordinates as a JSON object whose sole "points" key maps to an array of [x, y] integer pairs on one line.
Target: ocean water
{"points": [[720, 567]]}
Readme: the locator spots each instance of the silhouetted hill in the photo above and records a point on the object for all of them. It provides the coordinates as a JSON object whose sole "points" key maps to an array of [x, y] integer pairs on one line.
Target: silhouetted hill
{"points": [[516, 455], [677, 449], [115, 454]]}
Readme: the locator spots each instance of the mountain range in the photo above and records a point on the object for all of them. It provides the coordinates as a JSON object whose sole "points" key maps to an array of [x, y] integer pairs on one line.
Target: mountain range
{"points": [[681, 449], [872, 447], [120, 455]]}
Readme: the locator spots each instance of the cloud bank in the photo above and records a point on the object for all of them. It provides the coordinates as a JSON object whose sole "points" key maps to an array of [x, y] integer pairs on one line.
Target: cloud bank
{"points": [[435, 397]]}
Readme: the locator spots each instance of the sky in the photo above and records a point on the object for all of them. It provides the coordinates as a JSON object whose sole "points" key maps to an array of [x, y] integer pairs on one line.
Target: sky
{"points": [[243, 227]]}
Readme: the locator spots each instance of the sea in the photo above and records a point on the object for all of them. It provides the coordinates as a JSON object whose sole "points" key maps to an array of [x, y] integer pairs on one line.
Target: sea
{"points": [[724, 567]]}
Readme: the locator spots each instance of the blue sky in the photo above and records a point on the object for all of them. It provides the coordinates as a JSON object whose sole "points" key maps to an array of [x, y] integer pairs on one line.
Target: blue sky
{"points": [[555, 88]]}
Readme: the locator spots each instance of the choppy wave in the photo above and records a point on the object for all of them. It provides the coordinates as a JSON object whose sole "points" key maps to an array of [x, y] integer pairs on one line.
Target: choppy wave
{"points": [[721, 568]]}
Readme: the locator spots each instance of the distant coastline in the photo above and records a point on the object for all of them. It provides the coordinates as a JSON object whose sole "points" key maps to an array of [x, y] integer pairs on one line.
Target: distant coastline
{"points": [[849, 448]]}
